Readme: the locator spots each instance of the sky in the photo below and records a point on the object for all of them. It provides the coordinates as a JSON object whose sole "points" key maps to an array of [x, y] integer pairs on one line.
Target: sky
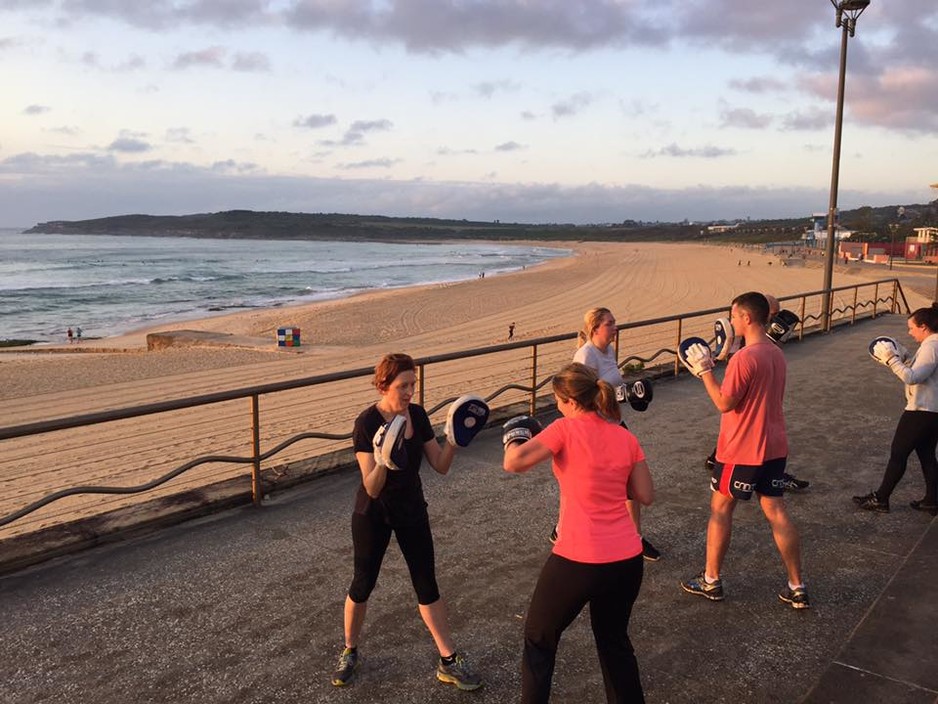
{"points": [[537, 111]]}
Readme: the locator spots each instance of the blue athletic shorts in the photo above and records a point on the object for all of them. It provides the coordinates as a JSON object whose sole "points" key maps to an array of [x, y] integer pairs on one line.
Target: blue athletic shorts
{"points": [[740, 480]]}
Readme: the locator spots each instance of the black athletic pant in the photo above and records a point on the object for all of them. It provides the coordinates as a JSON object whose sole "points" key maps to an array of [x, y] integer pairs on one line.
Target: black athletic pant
{"points": [[918, 431], [562, 590], [370, 538]]}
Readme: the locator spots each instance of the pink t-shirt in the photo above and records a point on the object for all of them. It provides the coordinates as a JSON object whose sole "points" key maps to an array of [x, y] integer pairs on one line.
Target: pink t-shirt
{"points": [[593, 460], [754, 431]]}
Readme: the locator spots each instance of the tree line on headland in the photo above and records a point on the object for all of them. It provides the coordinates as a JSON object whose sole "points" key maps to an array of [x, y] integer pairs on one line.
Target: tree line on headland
{"points": [[870, 224]]}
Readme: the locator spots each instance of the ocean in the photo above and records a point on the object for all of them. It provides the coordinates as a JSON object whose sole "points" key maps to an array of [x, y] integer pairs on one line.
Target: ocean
{"points": [[110, 285]]}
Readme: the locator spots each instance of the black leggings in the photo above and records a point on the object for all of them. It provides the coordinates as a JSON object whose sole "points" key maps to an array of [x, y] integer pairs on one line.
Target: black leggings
{"points": [[370, 538], [918, 431], [562, 590]]}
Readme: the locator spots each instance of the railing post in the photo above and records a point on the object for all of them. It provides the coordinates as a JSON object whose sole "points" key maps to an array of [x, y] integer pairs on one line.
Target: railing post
{"points": [[895, 295], [856, 291], [803, 307], [876, 298], [421, 372], [677, 346], [533, 402], [257, 491]]}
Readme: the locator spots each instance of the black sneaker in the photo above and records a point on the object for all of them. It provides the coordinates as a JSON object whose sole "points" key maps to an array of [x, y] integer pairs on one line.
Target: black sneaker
{"points": [[699, 585], [871, 502], [346, 667], [797, 597], [926, 506], [792, 483], [459, 674], [650, 552]]}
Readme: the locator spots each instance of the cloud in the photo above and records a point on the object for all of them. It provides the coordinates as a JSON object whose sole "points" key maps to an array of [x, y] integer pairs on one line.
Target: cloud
{"points": [[758, 85], [251, 62], [355, 135], [674, 150], [167, 14], [446, 151], [66, 130], [11, 42], [179, 135], [36, 109], [745, 118], [371, 126], [213, 57], [815, 119], [78, 186], [314, 121], [230, 166], [487, 89], [371, 163], [437, 26], [570, 106], [509, 147], [129, 145]]}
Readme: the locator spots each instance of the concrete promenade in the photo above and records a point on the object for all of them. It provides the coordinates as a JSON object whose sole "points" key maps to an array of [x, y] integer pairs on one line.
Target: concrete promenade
{"points": [[246, 605]]}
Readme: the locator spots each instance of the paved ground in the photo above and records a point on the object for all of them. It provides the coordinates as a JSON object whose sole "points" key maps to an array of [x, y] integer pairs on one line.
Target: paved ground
{"points": [[246, 605]]}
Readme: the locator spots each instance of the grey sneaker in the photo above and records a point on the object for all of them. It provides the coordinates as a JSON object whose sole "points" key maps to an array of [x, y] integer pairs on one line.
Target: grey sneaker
{"points": [[346, 667], [797, 597], [459, 674], [699, 585]]}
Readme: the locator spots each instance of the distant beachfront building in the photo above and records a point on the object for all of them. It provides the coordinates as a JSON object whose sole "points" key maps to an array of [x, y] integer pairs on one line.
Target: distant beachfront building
{"points": [[816, 233], [721, 228]]}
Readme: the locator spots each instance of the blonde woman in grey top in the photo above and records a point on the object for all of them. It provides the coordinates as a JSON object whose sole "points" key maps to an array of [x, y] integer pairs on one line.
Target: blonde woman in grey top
{"points": [[598, 353], [918, 426]]}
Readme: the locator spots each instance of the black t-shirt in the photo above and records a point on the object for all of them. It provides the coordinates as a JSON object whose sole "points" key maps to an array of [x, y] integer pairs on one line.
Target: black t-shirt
{"points": [[401, 501]]}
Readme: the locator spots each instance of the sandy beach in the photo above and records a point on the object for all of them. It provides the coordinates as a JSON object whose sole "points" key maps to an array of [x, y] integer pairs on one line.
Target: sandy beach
{"points": [[636, 281]]}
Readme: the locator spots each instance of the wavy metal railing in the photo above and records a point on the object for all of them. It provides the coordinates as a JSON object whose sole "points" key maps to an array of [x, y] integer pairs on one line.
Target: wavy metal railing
{"points": [[681, 323]]}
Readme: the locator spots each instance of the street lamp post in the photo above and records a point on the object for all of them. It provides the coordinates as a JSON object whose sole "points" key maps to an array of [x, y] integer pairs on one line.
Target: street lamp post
{"points": [[847, 13], [892, 243]]}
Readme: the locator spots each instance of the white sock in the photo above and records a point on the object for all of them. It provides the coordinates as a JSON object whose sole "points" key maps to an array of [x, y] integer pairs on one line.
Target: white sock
{"points": [[795, 586]]}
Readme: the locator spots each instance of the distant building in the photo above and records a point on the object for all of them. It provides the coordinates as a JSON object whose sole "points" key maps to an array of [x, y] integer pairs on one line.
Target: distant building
{"points": [[926, 235]]}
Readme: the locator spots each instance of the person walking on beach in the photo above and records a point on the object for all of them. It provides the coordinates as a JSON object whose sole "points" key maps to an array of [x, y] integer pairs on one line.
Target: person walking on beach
{"points": [[918, 425], [69, 334], [752, 447], [596, 351], [78, 334], [597, 559], [511, 330], [390, 500]]}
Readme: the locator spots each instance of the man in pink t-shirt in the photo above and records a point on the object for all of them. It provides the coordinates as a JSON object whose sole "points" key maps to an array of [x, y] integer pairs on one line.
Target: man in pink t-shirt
{"points": [[751, 450]]}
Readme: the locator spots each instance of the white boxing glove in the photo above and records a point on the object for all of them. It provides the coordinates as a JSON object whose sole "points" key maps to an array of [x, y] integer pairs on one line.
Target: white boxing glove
{"points": [[695, 355], [389, 444], [884, 351]]}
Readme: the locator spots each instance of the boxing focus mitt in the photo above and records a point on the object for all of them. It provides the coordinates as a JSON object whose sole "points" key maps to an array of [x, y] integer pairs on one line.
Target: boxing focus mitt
{"points": [[885, 349], [782, 325], [467, 415], [637, 394], [389, 443], [723, 339], [694, 353], [519, 429]]}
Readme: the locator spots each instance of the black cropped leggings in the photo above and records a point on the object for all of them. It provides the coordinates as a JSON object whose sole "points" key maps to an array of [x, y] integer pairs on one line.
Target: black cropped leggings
{"points": [[370, 539], [563, 589], [917, 431]]}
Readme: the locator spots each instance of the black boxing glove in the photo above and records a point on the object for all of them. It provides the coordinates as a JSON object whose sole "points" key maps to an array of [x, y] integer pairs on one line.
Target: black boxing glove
{"points": [[519, 429]]}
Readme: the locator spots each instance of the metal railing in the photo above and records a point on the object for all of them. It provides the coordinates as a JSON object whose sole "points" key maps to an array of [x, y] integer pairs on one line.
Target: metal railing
{"points": [[96, 455]]}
